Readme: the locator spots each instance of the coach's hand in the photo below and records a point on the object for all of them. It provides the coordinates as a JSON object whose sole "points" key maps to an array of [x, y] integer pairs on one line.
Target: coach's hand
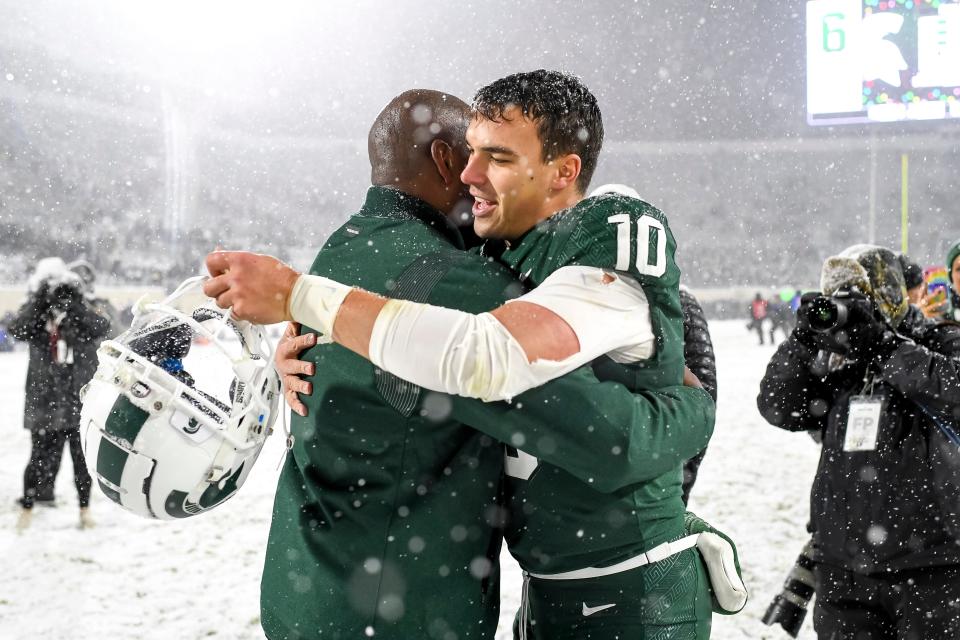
{"points": [[290, 368], [255, 287], [690, 379]]}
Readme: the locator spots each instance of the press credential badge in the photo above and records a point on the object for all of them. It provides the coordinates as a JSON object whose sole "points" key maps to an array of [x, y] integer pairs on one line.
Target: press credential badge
{"points": [[863, 423]]}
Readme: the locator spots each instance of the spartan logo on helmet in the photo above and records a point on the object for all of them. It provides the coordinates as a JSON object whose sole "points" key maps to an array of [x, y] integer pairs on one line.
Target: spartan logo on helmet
{"points": [[166, 443], [178, 503], [191, 427]]}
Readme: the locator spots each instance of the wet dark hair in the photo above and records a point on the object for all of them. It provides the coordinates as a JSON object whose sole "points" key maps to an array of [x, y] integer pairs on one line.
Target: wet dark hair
{"points": [[567, 115]]}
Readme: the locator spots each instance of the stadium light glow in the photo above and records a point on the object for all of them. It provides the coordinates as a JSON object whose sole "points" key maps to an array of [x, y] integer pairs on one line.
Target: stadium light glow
{"points": [[206, 42], [201, 26]]}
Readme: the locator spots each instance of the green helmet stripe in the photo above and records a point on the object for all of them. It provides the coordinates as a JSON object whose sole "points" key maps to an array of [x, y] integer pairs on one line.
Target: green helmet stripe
{"points": [[125, 420], [109, 491], [110, 462]]}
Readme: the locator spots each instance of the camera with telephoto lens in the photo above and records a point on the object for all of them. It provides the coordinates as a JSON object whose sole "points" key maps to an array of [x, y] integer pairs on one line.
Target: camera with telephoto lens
{"points": [[826, 314], [61, 294], [789, 607]]}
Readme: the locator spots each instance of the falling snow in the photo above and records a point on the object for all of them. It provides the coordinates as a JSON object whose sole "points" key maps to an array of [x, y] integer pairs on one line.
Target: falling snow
{"points": [[131, 577]]}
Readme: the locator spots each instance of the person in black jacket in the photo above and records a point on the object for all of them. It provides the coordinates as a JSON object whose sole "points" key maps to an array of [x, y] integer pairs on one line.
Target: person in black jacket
{"points": [[700, 359], [63, 332], [885, 504], [86, 278]]}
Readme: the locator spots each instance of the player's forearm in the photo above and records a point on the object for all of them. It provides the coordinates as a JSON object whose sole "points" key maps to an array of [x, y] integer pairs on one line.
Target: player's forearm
{"points": [[574, 317], [433, 347], [354, 322]]}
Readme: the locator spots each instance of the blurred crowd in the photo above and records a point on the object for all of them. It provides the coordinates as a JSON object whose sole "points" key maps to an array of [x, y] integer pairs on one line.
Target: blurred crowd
{"points": [[106, 186], [775, 314]]}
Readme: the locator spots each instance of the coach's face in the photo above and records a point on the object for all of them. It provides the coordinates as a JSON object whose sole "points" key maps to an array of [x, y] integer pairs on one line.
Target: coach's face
{"points": [[510, 183]]}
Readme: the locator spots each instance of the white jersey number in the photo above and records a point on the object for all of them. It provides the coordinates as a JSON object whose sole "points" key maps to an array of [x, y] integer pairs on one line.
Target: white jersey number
{"points": [[644, 225]]}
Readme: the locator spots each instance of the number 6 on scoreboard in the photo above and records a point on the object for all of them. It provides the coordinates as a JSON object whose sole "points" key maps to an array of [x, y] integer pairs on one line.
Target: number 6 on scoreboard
{"points": [[644, 225]]}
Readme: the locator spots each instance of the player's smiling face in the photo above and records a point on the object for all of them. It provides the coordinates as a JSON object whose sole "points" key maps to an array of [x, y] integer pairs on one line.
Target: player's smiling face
{"points": [[955, 274], [508, 179]]}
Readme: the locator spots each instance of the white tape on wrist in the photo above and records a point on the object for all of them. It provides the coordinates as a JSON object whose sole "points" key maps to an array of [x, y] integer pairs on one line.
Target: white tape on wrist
{"points": [[315, 301]]}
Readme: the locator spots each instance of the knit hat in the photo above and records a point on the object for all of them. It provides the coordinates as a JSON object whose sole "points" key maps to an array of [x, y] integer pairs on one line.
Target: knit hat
{"points": [[952, 254], [912, 273], [875, 271]]}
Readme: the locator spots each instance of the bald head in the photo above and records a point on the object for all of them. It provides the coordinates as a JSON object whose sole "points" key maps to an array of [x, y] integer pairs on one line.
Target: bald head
{"points": [[400, 140]]}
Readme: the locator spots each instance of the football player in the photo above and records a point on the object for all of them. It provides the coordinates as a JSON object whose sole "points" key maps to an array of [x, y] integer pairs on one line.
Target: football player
{"points": [[597, 564]]}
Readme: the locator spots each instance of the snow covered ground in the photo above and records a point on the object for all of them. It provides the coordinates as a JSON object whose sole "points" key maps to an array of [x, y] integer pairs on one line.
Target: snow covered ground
{"points": [[132, 578]]}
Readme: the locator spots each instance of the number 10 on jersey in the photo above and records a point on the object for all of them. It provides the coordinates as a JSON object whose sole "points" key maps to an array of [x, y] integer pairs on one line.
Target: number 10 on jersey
{"points": [[651, 239]]}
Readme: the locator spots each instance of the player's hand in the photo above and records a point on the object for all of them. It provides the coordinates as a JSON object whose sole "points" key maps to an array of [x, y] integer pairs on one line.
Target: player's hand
{"points": [[691, 380], [255, 287], [290, 368]]}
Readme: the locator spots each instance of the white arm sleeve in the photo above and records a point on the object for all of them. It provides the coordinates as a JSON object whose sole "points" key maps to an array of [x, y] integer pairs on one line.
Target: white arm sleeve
{"points": [[475, 356], [607, 310]]}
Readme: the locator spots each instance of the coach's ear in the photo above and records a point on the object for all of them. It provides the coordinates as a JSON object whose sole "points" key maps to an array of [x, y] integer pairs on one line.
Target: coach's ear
{"points": [[567, 169], [442, 155]]}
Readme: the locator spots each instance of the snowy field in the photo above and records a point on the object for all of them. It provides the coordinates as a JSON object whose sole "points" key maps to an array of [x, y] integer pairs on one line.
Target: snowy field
{"points": [[131, 578]]}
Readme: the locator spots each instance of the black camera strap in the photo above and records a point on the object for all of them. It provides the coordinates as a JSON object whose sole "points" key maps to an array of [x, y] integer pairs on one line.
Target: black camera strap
{"points": [[863, 416], [945, 427]]}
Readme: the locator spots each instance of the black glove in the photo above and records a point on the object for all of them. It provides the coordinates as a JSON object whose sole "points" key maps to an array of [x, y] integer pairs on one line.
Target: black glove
{"points": [[865, 331], [65, 296]]}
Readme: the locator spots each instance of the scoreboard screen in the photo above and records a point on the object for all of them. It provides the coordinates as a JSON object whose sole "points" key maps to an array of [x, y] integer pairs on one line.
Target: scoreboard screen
{"points": [[883, 60]]}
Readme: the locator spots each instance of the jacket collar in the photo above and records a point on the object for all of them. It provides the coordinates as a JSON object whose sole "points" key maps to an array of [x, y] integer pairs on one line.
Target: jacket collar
{"points": [[387, 202]]}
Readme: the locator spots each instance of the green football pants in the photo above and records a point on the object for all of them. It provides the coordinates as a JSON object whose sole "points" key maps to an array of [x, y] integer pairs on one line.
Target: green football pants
{"points": [[667, 600]]}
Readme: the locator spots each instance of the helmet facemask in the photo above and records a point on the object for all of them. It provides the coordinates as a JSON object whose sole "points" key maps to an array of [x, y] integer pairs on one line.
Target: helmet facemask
{"points": [[180, 406]]}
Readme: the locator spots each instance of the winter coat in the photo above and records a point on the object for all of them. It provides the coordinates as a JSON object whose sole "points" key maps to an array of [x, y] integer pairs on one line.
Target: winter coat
{"points": [[895, 507], [53, 389], [697, 346], [699, 357]]}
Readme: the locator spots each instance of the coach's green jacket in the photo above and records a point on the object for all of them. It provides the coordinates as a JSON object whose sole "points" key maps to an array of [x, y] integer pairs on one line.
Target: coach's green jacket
{"points": [[387, 519]]}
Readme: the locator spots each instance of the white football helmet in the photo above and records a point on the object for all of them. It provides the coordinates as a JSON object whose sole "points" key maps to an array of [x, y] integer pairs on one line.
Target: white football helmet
{"points": [[180, 406], [613, 187]]}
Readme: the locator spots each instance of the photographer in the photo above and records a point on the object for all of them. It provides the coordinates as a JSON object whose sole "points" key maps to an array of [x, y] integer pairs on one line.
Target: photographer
{"points": [[63, 332], [885, 504]]}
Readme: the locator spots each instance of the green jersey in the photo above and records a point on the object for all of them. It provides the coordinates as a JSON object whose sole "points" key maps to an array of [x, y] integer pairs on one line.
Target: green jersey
{"points": [[557, 522], [386, 514], [380, 522]]}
